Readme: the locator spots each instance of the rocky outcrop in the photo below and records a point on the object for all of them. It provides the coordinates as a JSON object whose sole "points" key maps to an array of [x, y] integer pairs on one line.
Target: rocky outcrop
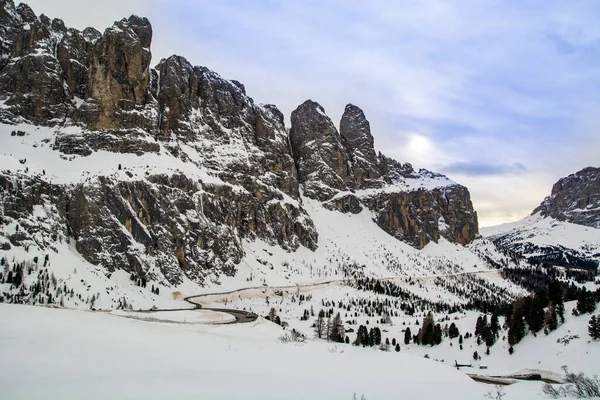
{"points": [[356, 131], [565, 228], [31, 81], [119, 70], [421, 216], [343, 171], [321, 157], [575, 199]]}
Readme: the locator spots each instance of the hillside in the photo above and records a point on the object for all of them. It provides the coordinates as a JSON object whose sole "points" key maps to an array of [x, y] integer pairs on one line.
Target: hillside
{"points": [[119, 180], [564, 229]]}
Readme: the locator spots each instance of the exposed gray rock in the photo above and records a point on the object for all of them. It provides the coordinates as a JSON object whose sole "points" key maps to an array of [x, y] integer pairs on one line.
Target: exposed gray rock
{"points": [[343, 171], [356, 130], [575, 199], [119, 70], [321, 157]]}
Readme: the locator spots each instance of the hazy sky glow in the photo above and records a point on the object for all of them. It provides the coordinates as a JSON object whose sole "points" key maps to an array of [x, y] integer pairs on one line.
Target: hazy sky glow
{"points": [[502, 96]]}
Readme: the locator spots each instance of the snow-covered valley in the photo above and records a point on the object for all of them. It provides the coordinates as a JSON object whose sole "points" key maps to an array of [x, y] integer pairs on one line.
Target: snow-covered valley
{"points": [[162, 235]]}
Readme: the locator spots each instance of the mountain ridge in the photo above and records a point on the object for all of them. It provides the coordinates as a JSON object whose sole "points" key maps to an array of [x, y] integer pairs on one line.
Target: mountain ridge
{"points": [[563, 229], [171, 173]]}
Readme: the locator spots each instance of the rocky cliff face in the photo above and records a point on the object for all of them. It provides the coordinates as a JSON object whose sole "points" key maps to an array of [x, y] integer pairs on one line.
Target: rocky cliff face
{"points": [[210, 168], [575, 199], [321, 157], [564, 229], [356, 132], [342, 170]]}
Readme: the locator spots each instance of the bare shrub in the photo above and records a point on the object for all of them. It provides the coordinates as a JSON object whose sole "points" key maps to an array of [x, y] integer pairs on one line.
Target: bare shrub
{"points": [[496, 394], [292, 336], [577, 385]]}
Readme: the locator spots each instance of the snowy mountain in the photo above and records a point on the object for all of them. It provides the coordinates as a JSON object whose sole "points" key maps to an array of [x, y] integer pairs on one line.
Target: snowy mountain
{"points": [[564, 230], [166, 203], [117, 179]]}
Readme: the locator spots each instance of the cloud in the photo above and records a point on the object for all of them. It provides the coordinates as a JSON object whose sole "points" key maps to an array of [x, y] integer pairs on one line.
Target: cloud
{"points": [[484, 169]]}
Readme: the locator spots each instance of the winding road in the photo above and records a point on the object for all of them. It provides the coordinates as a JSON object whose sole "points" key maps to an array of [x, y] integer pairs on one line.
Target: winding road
{"points": [[242, 316]]}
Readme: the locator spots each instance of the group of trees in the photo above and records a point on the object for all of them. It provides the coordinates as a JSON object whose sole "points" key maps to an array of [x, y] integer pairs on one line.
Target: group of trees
{"points": [[537, 312], [430, 333], [273, 317], [586, 302], [486, 332], [331, 329], [371, 337]]}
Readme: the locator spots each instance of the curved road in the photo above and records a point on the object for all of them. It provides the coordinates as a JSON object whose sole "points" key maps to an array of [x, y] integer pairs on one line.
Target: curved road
{"points": [[242, 316], [239, 315]]}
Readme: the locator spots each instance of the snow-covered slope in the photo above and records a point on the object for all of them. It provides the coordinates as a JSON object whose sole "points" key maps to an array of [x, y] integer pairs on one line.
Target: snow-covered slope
{"points": [[98, 356], [563, 230], [536, 235]]}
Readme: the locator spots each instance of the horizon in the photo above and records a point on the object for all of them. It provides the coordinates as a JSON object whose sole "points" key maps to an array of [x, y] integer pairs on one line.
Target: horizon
{"points": [[467, 90]]}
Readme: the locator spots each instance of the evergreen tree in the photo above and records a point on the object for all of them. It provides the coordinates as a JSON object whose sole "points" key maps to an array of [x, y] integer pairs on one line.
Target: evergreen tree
{"points": [[337, 329], [437, 335], [516, 331], [535, 315], [594, 327], [495, 324], [397, 347], [320, 325], [371, 339], [560, 311], [328, 329], [272, 314], [585, 302], [376, 336], [453, 331], [426, 332], [478, 326], [550, 318], [407, 336]]}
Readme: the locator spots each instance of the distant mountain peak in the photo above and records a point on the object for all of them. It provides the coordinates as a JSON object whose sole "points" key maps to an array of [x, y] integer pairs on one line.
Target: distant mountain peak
{"points": [[575, 198]]}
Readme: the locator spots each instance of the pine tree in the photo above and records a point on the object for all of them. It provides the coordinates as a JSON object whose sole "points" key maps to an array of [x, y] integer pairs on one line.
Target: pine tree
{"points": [[337, 329], [594, 327], [407, 336], [585, 302], [516, 331], [495, 324], [377, 336], [535, 316], [426, 332], [437, 335], [453, 331], [320, 325], [550, 318], [397, 347]]}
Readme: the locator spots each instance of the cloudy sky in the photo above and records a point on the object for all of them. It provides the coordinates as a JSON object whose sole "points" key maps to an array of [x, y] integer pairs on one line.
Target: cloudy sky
{"points": [[502, 96]]}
